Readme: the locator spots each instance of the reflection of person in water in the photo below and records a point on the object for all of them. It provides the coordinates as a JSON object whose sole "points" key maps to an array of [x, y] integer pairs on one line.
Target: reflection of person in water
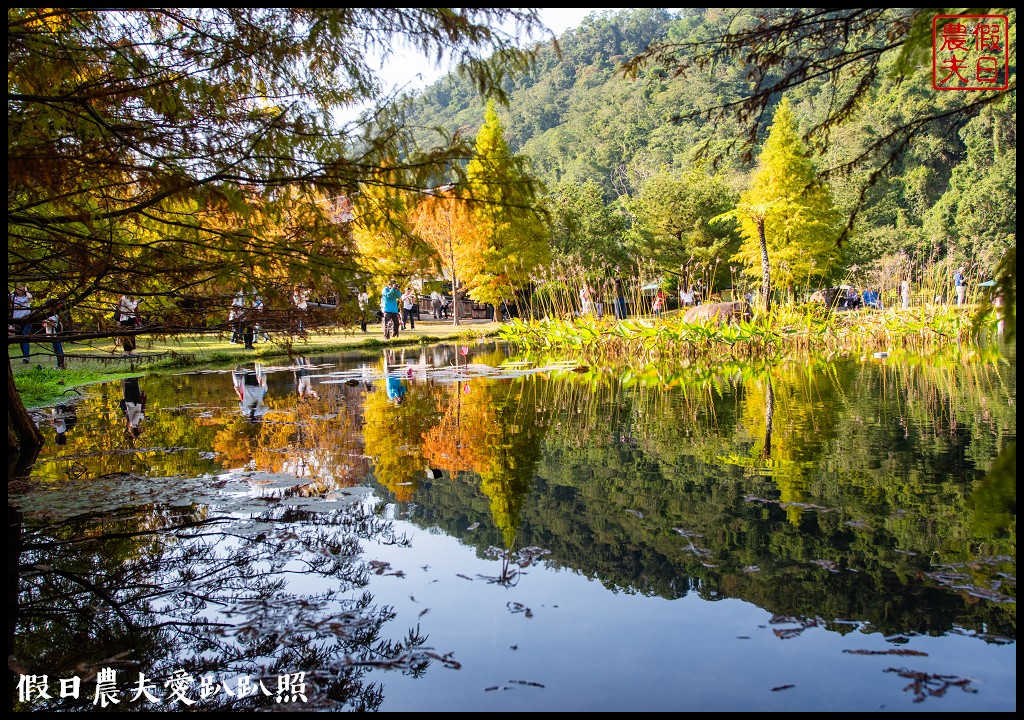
{"points": [[133, 405], [303, 381], [64, 418], [251, 387], [395, 387]]}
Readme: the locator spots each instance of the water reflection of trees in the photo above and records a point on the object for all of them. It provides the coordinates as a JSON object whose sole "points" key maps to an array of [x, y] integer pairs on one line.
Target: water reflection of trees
{"points": [[317, 439], [860, 509], [193, 427], [658, 481], [480, 432], [159, 590], [394, 436]]}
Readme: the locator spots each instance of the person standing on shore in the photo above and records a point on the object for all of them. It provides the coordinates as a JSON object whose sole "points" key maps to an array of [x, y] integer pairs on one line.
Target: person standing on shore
{"points": [[257, 317], [905, 293], [53, 325], [685, 297], [435, 304], [620, 297], [363, 298], [960, 283], [659, 303], [408, 306], [235, 317], [300, 301], [21, 307], [586, 300], [128, 317], [389, 306]]}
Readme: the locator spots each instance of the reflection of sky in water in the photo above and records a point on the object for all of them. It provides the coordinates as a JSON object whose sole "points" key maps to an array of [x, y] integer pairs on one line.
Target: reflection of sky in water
{"points": [[631, 488], [595, 650]]}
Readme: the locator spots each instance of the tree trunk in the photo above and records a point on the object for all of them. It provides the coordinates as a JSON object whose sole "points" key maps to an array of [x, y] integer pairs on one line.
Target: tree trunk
{"points": [[769, 415], [455, 299], [22, 434], [13, 574], [766, 273]]}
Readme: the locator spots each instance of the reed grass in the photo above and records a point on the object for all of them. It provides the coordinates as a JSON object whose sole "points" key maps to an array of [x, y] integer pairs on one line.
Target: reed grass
{"points": [[784, 331], [556, 316]]}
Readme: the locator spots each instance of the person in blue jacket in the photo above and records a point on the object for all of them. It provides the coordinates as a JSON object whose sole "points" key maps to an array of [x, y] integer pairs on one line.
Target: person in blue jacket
{"points": [[389, 306], [871, 299]]}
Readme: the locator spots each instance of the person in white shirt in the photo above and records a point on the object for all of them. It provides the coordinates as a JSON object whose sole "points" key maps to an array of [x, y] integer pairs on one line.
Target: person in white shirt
{"points": [[586, 300], [128, 317], [53, 326], [257, 317], [301, 303], [408, 305], [685, 297], [436, 301]]}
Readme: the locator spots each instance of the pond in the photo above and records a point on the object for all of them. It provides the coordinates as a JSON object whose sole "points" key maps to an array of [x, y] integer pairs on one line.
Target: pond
{"points": [[462, 528]]}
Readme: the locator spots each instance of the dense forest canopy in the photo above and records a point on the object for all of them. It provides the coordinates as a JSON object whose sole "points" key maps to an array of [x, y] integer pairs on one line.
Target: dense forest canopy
{"points": [[924, 180]]}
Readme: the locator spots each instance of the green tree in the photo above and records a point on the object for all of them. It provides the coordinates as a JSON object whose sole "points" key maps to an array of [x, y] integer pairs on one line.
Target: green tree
{"points": [[787, 214], [977, 215], [847, 52], [583, 226], [151, 149], [844, 54], [515, 234], [672, 216]]}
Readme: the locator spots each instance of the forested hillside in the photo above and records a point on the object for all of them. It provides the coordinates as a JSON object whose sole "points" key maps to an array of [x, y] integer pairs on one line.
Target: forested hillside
{"points": [[634, 172]]}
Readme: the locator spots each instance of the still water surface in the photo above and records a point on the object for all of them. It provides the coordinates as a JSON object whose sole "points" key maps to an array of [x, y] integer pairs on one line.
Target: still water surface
{"points": [[459, 528]]}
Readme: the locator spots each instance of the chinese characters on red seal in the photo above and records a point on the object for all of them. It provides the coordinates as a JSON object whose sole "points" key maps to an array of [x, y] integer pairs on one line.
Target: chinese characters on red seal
{"points": [[970, 52]]}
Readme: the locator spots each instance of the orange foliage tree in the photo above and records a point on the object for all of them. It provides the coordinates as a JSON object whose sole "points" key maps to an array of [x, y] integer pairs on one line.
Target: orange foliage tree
{"points": [[444, 223]]}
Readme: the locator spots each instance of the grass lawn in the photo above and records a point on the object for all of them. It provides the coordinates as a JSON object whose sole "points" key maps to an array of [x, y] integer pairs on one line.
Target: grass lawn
{"points": [[40, 383]]}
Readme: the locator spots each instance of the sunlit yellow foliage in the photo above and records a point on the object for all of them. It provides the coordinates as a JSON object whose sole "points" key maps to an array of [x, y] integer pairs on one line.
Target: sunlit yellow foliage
{"points": [[394, 435]]}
